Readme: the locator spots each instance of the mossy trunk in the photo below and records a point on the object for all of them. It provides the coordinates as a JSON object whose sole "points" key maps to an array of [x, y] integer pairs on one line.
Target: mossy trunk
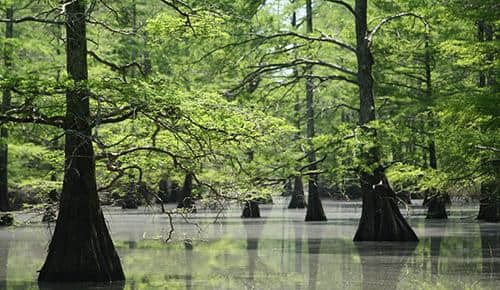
{"points": [[81, 249], [298, 198]]}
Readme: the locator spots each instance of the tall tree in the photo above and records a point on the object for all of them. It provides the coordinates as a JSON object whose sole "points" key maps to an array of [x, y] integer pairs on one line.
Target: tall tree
{"points": [[381, 219], [81, 248], [6, 98], [315, 210]]}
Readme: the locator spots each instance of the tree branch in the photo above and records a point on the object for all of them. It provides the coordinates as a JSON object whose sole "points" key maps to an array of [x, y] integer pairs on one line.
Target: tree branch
{"points": [[346, 5], [33, 19], [390, 18]]}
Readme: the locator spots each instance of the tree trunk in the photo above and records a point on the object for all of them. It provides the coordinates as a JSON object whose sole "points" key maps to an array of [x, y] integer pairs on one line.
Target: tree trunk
{"points": [[288, 188], [489, 206], [187, 194], [436, 203], [298, 199], [251, 209], [381, 219], [81, 248], [436, 206], [315, 209], [4, 147]]}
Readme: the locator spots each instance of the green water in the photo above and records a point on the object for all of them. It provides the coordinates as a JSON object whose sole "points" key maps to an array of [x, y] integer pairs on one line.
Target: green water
{"points": [[278, 251]]}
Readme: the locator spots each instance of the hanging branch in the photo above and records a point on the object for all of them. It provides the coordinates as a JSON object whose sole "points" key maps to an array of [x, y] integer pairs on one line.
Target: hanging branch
{"points": [[115, 67], [396, 16], [346, 5]]}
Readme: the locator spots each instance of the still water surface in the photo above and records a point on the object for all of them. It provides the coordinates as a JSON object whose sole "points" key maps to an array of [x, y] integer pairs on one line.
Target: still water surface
{"points": [[278, 251]]}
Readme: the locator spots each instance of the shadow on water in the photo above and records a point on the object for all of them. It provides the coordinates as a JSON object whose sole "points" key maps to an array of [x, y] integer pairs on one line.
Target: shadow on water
{"points": [[382, 262]]}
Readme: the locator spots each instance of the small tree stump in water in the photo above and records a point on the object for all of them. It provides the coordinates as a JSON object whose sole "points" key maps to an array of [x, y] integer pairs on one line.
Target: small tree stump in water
{"points": [[6, 220], [251, 210], [130, 202], [489, 208], [436, 206]]}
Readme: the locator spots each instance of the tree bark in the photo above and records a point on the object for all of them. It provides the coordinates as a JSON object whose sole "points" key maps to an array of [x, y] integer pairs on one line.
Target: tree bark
{"points": [[187, 194], [4, 147], [298, 199], [436, 203], [489, 206], [81, 248], [315, 210], [381, 219], [251, 209]]}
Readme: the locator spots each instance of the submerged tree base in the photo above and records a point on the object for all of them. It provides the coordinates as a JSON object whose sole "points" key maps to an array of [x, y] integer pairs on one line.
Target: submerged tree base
{"points": [[381, 219], [315, 212], [251, 210], [489, 210], [84, 255], [436, 208], [298, 198]]}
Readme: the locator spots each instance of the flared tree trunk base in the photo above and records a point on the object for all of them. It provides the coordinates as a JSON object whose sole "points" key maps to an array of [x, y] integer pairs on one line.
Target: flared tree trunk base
{"points": [[381, 219], [315, 212], [297, 201], [251, 210], [82, 255], [489, 210], [298, 198], [436, 208]]}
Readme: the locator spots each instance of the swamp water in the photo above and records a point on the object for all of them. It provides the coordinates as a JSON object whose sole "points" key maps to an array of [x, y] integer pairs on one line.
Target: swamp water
{"points": [[278, 251]]}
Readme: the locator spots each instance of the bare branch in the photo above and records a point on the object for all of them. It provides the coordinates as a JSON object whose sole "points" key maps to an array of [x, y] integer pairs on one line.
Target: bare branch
{"points": [[390, 18], [479, 147], [33, 19], [113, 66], [346, 5]]}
